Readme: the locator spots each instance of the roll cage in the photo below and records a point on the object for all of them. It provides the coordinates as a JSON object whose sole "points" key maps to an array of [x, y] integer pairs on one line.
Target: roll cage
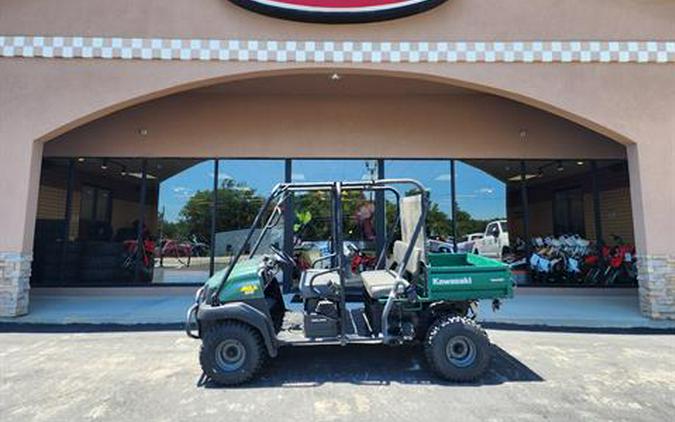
{"points": [[283, 191]]}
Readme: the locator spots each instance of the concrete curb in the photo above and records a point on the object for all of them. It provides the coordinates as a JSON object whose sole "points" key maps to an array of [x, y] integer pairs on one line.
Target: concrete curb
{"points": [[19, 327]]}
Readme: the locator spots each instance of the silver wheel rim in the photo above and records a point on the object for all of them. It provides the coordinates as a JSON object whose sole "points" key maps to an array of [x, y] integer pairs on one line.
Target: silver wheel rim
{"points": [[461, 351], [230, 355]]}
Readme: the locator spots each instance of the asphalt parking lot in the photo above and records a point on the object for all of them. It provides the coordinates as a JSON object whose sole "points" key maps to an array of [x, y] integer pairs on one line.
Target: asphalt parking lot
{"points": [[147, 376]]}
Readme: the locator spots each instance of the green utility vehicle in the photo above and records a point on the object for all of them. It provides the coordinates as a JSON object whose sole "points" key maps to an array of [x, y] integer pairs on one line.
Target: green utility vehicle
{"points": [[242, 319]]}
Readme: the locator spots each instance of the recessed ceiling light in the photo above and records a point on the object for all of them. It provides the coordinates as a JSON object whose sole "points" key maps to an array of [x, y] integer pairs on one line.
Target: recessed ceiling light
{"points": [[104, 164], [81, 159], [335, 77], [580, 163], [143, 131], [518, 177]]}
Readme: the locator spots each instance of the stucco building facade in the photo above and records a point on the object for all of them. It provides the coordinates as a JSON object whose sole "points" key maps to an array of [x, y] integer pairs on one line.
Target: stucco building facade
{"points": [[468, 80]]}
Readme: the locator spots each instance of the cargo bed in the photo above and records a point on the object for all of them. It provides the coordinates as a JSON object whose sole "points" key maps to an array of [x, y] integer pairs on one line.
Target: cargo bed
{"points": [[465, 276]]}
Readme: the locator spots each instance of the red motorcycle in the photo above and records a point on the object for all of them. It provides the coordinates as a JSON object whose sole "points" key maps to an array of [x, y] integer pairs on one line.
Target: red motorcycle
{"points": [[360, 260], [613, 265], [147, 258]]}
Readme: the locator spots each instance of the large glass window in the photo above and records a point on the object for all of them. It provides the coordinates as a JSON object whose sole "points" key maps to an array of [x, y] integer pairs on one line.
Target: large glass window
{"points": [[482, 226], [95, 209], [313, 215], [243, 185], [56, 256], [435, 175], [179, 204], [117, 221], [568, 211], [314, 209], [87, 208]]}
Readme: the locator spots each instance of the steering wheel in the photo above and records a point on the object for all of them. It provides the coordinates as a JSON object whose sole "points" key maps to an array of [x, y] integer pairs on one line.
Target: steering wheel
{"points": [[283, 256]]}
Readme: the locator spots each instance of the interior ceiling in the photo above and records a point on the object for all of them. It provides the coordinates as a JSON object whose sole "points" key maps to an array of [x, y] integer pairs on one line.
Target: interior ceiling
{"points": [[128, 169], [507, 171], [326, 84], [537, 171]]}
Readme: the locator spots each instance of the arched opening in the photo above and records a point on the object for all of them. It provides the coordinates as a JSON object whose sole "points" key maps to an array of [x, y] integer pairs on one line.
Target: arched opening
{"points": [[184, 174]]}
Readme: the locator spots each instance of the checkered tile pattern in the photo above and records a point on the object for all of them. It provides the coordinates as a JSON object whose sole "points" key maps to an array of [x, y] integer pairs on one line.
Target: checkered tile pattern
{"points": [[338, 51]]}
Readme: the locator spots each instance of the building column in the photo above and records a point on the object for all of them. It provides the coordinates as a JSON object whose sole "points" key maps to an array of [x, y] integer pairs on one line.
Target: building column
{"points": [[20, 164], [652, 182]]}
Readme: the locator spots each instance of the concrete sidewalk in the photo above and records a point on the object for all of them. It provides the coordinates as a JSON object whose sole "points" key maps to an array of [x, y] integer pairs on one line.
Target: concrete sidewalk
{"points": [[583, 308], [569, 307]]}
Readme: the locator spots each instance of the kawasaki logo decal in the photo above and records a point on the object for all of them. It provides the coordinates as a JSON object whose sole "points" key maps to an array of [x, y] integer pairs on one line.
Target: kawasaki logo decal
{"points": [[338, 11], [249, 289], [451, 281]]}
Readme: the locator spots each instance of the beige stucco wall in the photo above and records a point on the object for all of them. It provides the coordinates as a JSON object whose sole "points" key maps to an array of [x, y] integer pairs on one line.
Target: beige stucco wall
{"points": [[455, 19], [423, 126]]}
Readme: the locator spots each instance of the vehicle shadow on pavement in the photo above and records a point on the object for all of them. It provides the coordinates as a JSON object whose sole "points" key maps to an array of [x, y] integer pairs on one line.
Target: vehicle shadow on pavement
{"points": [[312, 366]]}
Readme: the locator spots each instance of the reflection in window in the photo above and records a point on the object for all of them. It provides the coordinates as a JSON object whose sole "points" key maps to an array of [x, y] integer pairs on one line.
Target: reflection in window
{"points": [[435, 176], [313, 214], [313, 209], [179, 202], [243, 186], [93, 246], [481, 195]]}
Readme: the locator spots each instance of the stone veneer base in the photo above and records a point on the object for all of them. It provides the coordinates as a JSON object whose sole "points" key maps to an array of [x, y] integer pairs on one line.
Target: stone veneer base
{"points": [[656, 276], [15, 270]]}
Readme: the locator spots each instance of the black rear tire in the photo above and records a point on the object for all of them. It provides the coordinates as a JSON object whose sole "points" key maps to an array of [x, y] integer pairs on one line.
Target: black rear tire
{"points": [[457, 349], [232, 353]]}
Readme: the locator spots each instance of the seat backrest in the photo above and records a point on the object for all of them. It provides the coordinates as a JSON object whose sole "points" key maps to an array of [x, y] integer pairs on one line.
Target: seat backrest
{"points": [[411, 212], [413, 265]]}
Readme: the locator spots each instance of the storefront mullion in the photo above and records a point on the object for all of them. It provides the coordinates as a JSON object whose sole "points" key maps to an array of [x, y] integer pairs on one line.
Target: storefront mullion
{"points": [[380, 216], [526, 210], [214, 219], [597, 215], [289, 221], [453, 200], [138, 268], [68, 212]]}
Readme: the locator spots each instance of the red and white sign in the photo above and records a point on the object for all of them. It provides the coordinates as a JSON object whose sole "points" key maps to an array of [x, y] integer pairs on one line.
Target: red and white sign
{"points": [[338, 11]]}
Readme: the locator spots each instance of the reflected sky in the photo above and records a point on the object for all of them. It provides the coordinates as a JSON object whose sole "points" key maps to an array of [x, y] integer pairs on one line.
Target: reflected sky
{"points": [[478, 193]]}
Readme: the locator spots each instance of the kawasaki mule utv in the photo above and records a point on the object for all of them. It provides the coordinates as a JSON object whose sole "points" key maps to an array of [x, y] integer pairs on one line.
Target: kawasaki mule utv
{"points": [[242, 320]]}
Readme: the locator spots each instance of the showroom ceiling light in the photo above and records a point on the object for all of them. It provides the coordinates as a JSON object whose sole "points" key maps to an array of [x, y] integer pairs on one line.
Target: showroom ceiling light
{"points": [[518, 177], [81, 159], [104, 164], [335, 77], [580, 163], [140, 175]]}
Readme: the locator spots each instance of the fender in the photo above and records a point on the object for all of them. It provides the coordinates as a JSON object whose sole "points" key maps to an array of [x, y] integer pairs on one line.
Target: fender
{"points": [[243, 312]]}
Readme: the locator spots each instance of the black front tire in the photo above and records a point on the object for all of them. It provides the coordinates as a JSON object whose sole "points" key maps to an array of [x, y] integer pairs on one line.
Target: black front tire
{"points": [[232, 353], [457, 349]]}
